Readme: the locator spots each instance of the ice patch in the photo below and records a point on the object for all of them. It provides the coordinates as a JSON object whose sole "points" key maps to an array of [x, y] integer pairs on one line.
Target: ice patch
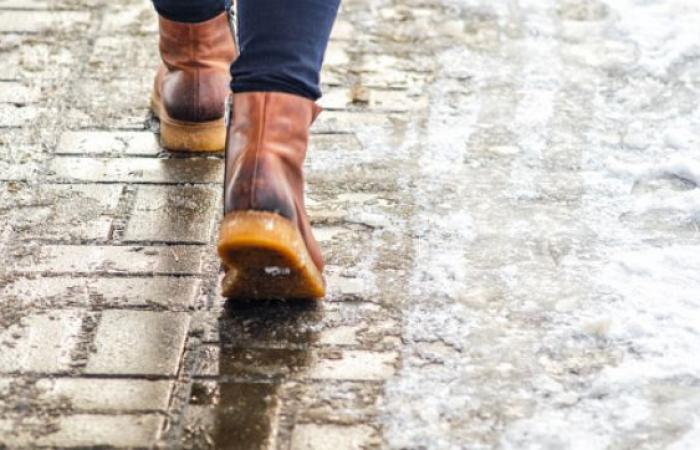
{"points": [[679, 166]]}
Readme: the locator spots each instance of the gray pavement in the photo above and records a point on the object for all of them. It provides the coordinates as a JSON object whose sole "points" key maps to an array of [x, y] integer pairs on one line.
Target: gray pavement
{"points": [[507, 198]]}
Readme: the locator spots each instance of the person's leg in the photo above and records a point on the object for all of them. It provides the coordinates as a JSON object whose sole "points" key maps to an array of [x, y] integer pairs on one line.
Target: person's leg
{"points": [[192, 84], [265, 241], [282, 43], [189, 11]]}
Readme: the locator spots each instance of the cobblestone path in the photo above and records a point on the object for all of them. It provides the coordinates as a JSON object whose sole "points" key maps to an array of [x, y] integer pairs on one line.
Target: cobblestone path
{"points": [[507, 197]]}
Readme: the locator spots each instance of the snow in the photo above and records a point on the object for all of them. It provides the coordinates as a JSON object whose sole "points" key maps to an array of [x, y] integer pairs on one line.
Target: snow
{"points": [[558, 255]]}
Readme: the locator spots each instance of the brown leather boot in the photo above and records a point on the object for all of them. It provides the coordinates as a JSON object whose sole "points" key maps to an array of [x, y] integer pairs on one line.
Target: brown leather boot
{"points": [[192, 83], [265, 241]]}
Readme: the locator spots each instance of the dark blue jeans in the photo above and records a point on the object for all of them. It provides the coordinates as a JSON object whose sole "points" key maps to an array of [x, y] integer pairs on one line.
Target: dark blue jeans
{"points": [[282, 42]]}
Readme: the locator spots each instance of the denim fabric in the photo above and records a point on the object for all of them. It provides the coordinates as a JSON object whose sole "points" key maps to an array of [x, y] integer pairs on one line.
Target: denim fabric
{"points": [[189, 10], [282, 45]]}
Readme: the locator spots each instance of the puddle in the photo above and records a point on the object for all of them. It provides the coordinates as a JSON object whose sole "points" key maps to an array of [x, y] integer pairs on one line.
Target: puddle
{"points": [[237, 401]]}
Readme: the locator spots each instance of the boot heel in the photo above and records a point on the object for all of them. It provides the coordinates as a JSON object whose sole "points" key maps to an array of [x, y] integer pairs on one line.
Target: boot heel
{"points": [[265, 258], [193, 137], [188, 136]]}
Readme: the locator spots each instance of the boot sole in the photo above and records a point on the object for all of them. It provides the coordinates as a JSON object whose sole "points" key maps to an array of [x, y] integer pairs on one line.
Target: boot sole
{"points": [[183, 136], [266, 258]]}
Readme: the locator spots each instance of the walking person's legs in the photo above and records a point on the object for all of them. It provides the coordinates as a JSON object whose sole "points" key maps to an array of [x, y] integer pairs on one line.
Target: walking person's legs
{"points": [[265, 243]]}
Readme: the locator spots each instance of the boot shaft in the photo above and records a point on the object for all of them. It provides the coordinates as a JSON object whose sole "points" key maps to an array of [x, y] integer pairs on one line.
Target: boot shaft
{"points": [[187, 46], [194, 80], [265, 151]]}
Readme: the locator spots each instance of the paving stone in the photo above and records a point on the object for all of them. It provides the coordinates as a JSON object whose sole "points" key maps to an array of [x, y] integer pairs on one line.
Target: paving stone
{"points": [[273, 363], [110, 259], [113, 430], [350, 121], [325, 234], [36, 21], [174, 214], [332, 437], [342, 30], [338, 402], [98, 394], [136, 18], [30, 59], [16, 115], [59, 212], [339, 98], [112, 54], [42, 291], [332, 77], [108, 101], [341, 335], [354, 365], [40, 342], [340, 143], [279, 325], [335, 56], [113, 143], [340, 285], [173, 293], [255, 325], [16, 92], [252, 409], [137, 170], [24, 4], [18, 171], [138, 343], [85, 431], [242, 364]]}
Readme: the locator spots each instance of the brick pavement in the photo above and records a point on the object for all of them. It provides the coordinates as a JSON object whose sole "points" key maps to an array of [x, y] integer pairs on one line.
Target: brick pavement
{"points": [[506, 195], [113, 330]]}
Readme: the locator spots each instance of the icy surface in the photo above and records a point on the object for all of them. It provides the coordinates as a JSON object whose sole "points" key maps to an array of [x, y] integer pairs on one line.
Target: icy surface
{"points": [[554, 300]]}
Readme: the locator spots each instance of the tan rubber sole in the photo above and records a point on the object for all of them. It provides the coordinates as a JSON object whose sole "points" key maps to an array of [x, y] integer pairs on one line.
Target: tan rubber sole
{"points": [[182, 136], [266, 258]]}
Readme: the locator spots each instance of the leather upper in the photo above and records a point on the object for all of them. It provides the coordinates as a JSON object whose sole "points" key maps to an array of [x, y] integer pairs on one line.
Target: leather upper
{"points": [[193, 81], [265, 151]]}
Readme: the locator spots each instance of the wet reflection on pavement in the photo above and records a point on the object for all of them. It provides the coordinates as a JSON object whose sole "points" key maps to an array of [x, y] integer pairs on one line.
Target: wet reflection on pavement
{"points": [[262, 344]]}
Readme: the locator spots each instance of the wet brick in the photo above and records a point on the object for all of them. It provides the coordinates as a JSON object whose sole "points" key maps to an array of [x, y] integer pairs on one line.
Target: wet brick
{"points": [[60, 212], [327, 364], [173, 293], [40, 342], [112, 53], [84, 430], [138, 19], [354, 365], [174, 214], [40, 291], [36, 21], [339, 144], [110, 259], [16, 115], [138, 343], [392, 100], [137, 170], [113, 143], [16, 92], [98, 394], [331, 437]]}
